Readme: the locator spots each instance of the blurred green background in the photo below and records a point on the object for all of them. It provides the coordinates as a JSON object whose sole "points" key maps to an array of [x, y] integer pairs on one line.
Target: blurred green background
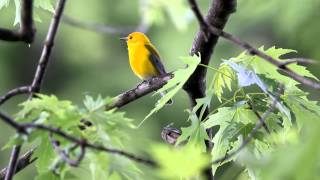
{"points": [[86, 62]]}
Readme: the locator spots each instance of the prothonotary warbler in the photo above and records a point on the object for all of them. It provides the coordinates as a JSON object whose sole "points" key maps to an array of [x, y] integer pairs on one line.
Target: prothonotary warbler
{"points": [[144, 58]]}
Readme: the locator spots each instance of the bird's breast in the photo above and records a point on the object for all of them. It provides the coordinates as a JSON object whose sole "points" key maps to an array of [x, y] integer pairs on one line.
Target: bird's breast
{"points": [[140, 62]]}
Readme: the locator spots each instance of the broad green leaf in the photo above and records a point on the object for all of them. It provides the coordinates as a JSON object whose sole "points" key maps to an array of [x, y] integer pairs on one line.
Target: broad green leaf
{"points": [[182, 162], [46, 156], [297, 160], [234, 123], [202, 104], [222, 79], [261, 66], [195, 134], [303, 109], [248, 77], [180, 76], [106, 166], [93, 105]]}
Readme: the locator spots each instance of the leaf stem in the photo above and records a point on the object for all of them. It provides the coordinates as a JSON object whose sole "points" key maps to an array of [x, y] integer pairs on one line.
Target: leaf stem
{"points": [[217, 70]]}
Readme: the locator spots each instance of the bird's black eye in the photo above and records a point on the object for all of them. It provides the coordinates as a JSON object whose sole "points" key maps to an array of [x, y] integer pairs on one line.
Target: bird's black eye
{"points": [[130, 37]]}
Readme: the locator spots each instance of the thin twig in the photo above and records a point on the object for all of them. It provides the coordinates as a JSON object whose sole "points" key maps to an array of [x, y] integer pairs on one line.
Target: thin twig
{"points": [[22, 127], [42, 65], [23, 161], [128, 96], [46, 51], [65, 155], [204, 44], [259, 117], [14, 92], [13, 163], [251, 50], [11, 123], [303, 61], [250, 136], [259, 124]]}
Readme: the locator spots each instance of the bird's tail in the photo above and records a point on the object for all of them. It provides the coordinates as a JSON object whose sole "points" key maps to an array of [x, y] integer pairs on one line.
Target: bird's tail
{"points": [[170, 102]]}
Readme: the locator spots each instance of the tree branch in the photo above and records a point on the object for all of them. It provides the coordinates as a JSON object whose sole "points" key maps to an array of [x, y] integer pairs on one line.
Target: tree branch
{"points": [[204, 43], [46, 51], [42, 65], [251, 50], [27, 31], [140, 90], [260, 123], [122, 99], [14, 92], [65, 155], [23, 127], [23, 161]]}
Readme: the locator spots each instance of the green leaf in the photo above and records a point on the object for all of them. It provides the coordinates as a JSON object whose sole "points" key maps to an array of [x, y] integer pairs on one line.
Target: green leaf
{"points": [[234, 123], [49, 175], [101, 127], [49, 110], [44, 4], [182, 162], [295, 160], [303, 109], [221, 79], [180, 76], [261, 66], [46, 156], [17, 139], [195, 134], [4, 3], [106, 166], [93, 105], [17, 19]]}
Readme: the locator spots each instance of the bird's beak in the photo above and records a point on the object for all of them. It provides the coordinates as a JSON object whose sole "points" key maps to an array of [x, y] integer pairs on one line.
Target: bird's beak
{"points": [[124, 38]]}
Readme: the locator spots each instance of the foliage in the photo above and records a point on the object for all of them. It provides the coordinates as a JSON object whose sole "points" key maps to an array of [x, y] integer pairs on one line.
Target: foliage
{"points": [[108, 128], [175, 162], [236, 117], [101, 127], [180, 76], [222, 79], [292, 124], [290, 151]]}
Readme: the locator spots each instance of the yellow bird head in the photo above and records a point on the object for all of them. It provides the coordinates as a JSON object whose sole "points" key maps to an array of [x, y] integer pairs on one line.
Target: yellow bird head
{"points": [[136, 38]]}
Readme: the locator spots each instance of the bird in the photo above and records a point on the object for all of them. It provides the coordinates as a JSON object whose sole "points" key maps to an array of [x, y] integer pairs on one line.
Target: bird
{"points": [[144, 58]]}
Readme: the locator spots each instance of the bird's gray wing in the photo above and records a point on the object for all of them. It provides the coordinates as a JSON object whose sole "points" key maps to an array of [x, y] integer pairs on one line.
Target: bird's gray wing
{"points": [[155, 59]]}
